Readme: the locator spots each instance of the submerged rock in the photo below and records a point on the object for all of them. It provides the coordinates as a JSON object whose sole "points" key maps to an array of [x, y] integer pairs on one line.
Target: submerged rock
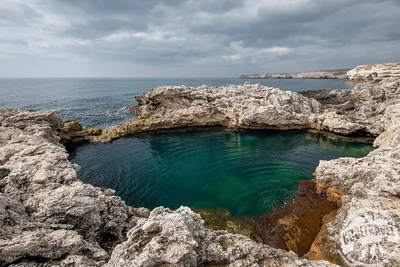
{"points": [[295, 225], [222, 219]]}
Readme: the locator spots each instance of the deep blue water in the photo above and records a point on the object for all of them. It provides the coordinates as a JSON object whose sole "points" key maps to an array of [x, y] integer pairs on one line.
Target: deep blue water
{"points": [[99, 102]]}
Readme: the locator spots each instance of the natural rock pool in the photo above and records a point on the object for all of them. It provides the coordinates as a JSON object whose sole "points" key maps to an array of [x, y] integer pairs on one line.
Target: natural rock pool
{"points": [[244, 172]]}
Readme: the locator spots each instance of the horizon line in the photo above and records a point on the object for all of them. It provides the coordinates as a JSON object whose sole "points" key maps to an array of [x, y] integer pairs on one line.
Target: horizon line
{"points": [[118, 77]]}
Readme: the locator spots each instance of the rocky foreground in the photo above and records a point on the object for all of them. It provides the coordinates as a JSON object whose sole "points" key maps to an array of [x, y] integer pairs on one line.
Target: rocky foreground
{"points": [[49, 218], [316, 74]]}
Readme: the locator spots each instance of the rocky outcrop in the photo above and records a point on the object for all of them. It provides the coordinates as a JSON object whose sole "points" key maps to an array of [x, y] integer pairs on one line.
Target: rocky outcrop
{"points": [[328, 97], [177, 238], [249, 106], [76, 134], [374, 72], [356, 112], [49, 218], [46, 214], [363, 112], [366, 228], [316, 74]]}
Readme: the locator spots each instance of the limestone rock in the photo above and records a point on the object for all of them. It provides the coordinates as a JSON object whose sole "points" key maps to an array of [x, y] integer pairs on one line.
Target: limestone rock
{"points": [[72, 126], [366, 228], [177, 238], [45, 212], [77, 135], [249, 106], [362, 113], [328, 97], [356, 112], [365, 73], [86, 132], [316, 74]]}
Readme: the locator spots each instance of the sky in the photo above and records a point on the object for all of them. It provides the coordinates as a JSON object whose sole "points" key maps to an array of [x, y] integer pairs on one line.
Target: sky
{"points": [[193, 38]]}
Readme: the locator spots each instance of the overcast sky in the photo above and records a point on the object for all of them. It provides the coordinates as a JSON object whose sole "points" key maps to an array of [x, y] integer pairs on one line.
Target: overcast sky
{"points": [[193, 38]]}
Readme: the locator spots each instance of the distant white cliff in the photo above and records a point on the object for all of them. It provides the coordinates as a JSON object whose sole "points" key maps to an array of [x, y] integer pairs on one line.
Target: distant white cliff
{"points": [[373, 72], [316, 74]]}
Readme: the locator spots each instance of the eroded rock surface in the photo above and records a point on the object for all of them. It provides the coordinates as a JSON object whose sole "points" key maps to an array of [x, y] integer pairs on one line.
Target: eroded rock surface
{"points": [[366, 228], [356, 112], [316, 74], [249, 106], [49, 218], [76, 134], [177, 238], [374, 72], [46, 214], [363, 112]]}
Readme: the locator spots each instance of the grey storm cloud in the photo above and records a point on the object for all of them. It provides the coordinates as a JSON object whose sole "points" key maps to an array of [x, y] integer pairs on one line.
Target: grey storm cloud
{"points": [[196, 38]]}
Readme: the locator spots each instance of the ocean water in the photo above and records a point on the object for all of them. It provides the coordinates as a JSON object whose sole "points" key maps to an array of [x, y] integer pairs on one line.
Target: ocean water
{"points": [[100, 102], [245, 172]]}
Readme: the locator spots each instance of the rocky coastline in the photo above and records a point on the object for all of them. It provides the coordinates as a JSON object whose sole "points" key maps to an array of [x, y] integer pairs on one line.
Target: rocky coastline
{"points": [[362, 73], [374, 72], [316, 74], [49, 218], [353, 113]]}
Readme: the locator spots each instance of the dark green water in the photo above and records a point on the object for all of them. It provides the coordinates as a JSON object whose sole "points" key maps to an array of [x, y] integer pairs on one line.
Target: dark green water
{"points": [[245, 172]]}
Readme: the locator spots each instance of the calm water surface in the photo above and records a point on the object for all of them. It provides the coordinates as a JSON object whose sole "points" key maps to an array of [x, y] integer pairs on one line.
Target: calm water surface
{"points": [[99, 102], [245, 172]]}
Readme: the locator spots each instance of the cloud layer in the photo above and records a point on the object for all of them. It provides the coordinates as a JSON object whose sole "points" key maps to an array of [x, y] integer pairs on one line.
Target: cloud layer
{"points": [[193, 38]]}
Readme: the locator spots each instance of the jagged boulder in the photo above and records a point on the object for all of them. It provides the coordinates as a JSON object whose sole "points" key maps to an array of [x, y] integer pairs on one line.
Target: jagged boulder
{"points": [[177, 238]]}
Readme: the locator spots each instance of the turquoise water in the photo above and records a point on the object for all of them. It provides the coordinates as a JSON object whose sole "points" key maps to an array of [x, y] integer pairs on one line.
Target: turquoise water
{"points": [[245, 172], [99, 102]]}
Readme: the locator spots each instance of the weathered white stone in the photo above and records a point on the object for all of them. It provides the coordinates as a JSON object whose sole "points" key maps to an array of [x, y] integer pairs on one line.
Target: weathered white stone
{"points": [[316, 74], [372, 72], [45, 212], [371, 200], [181, 240]]}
